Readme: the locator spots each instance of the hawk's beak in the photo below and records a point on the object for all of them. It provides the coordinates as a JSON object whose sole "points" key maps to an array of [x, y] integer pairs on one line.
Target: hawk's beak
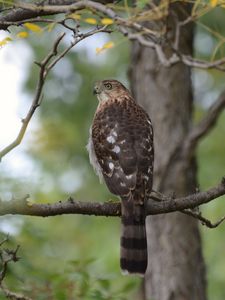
{"points": [[96, 90]]}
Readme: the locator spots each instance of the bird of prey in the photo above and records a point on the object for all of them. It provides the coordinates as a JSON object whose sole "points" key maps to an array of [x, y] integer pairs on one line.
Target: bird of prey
{"points": [[121, 151]]}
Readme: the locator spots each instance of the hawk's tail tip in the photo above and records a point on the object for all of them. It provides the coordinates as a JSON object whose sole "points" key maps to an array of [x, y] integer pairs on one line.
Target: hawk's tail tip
{"points": [[126, 272], [132, 267]]}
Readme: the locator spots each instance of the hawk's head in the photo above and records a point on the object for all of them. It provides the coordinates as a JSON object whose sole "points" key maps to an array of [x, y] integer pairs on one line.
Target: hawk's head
{"points": [[107, 89]]}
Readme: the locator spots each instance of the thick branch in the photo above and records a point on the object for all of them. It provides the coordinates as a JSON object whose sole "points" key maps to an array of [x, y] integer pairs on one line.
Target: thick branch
{"points": [[21, 14], [165, 205], [24, 207]]}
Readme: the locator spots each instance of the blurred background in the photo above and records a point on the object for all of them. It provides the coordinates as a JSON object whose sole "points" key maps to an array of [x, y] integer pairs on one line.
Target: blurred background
{"points": [[73, 252]]}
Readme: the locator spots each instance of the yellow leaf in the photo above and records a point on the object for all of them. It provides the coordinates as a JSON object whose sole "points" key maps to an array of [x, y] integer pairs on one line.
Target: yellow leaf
{"points": [[74, 16], [108, 45], [5, 41], [91, 21], [22, 34], [33, 27], [107, 21], [213, 2]]}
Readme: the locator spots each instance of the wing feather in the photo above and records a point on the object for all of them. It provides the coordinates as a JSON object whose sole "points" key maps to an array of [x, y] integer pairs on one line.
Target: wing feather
{"points": [[122, 139]]}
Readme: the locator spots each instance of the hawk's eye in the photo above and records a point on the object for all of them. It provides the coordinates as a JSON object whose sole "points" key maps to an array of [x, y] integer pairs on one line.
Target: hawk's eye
{"points": [[108, 86]]}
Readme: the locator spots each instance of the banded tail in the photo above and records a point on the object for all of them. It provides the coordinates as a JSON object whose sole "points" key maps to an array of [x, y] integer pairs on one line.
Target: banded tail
{"points": [[133, 242]]}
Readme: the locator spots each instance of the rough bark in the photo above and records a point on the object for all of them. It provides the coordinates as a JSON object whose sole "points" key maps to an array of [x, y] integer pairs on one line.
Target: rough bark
{"points": [[176, 268]]}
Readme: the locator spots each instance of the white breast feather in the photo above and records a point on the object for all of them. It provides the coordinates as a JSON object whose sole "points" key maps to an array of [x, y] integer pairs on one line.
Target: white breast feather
{"points": [[110, 139], [116, 149], [93, 158]]}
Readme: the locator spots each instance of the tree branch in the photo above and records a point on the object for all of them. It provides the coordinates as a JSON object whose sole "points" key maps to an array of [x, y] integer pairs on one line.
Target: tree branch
{"points": [[162, 205], [18, 15], [37, 98], [203, 220], [129, 27], [204, 126], [45, 66], [7, 256]]}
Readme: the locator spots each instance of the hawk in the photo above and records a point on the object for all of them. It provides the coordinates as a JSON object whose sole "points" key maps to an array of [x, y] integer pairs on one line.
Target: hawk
{"points": [[121, 151]]}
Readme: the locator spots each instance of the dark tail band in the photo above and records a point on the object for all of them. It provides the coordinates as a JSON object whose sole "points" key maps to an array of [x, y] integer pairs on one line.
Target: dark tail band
{"points": [[133, 243]]}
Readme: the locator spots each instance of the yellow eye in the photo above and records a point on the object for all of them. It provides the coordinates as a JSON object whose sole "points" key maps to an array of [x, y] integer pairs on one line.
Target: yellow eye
{"points": [[108, 86]]}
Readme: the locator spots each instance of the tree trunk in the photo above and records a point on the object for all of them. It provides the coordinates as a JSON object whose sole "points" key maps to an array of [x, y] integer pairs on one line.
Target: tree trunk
{"points": [[176, 268]]}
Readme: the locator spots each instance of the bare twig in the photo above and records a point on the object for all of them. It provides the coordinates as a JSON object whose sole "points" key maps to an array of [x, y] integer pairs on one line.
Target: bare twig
{"points": [[4, 240], [78, 38], [162, 205], [176, 56], [204, 221], [37, 98], [204, 126], [45, 66], [7, 256], [191, 212]]}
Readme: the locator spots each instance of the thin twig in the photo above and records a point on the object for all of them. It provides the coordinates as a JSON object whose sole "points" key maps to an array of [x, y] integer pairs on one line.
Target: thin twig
{"points": [[204, 126], [77, 39], [45, 66], [191, 212], [7, 256], [204, 221], [36, 101]]}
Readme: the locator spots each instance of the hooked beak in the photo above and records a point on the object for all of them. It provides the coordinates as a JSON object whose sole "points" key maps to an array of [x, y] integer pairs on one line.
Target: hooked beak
{"points": [[95, 90]]}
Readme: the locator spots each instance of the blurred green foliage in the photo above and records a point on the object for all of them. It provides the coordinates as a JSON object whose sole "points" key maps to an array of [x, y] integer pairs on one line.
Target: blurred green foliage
{"points": [[69, 257], [77, 257], [211, 157], [211, 151]]}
